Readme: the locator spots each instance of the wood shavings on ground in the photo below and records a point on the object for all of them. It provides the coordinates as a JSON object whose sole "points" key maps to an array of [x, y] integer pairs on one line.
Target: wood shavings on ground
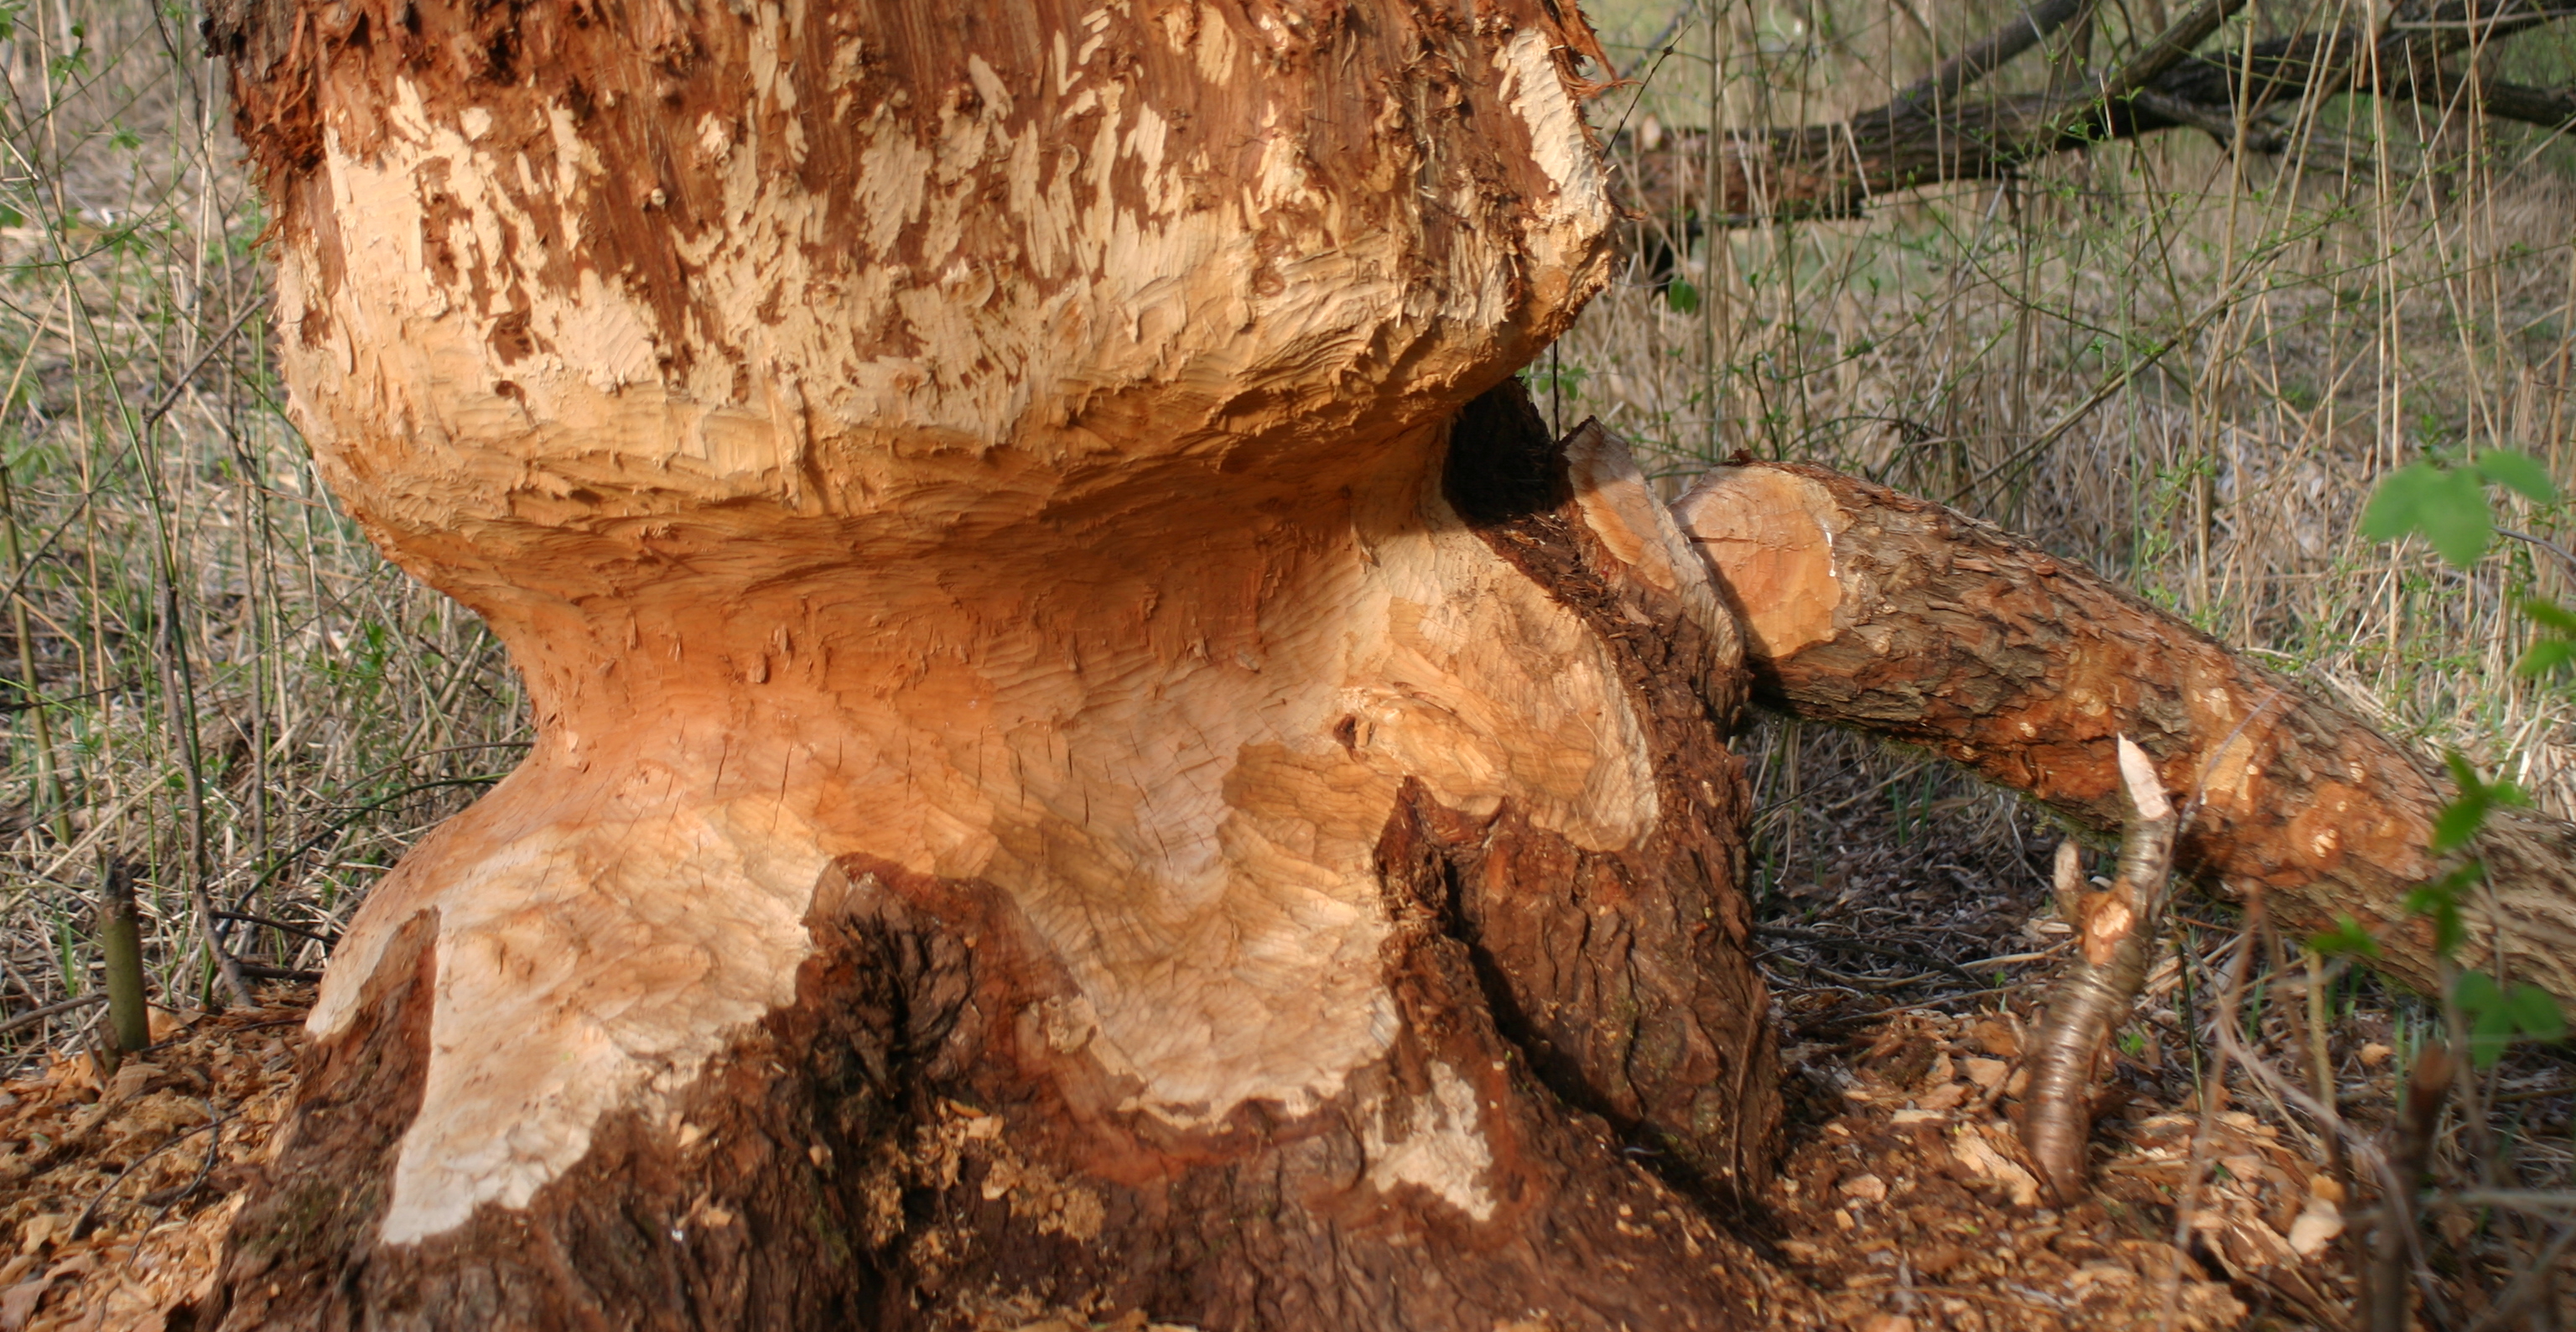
{"points": [[115, 1193], [1915, 1208]]}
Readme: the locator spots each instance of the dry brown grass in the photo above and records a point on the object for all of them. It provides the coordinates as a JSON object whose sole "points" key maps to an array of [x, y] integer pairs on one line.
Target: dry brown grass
{"points": [[209, 672], [2401, 281]]}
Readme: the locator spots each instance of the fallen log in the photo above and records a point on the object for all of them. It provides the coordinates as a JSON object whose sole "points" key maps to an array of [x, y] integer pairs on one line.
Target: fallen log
{"points": [[1869, 609]]}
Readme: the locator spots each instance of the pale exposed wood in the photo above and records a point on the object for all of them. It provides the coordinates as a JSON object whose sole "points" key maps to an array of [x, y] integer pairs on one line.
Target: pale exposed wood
{"points": [[858, 544], [1070, 772], [2097, 989]]}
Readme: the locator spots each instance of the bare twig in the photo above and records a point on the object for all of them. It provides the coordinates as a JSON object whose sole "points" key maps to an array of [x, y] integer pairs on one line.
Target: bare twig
{"points": [[2213, 1099], [35, 1015], [2530, 1286], [2387, 1284], [81, 1224], [179, 385]]}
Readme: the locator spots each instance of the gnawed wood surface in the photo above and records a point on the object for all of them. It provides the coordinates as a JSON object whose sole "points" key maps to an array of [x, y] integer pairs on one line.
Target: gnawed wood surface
{"points": [[1064, 782], [2096, 989], [1865, 608], [941, 1123]]}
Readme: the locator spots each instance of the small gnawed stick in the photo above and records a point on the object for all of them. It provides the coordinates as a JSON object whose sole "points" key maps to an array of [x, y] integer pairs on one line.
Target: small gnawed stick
{"points": [[2115, 929], [2067, 883]]}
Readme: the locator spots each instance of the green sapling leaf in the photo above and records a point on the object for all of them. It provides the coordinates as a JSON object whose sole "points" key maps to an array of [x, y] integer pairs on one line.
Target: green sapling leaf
{"points": [[2395, 507], [2458, 822], [2536, 1012], [2549, 654], [2453, 515], [2549, 614], [2346, 939], [2518, 472]]}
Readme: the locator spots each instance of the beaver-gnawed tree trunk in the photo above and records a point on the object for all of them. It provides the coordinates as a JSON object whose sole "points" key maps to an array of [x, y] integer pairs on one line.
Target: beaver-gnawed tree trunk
{"points": [[1072, 778], [1096, 759]]}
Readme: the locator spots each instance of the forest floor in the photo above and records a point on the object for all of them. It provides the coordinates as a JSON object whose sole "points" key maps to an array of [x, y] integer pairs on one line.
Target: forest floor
{"points": [[1911, 1207], [1908, 949]]}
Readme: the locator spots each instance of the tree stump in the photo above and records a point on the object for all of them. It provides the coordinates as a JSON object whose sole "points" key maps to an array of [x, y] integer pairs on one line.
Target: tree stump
{"points": [[1095, 758]]}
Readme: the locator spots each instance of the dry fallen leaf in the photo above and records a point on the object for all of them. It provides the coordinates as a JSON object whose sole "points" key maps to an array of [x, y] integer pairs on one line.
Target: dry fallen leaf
{"points": [[1867, 1187], [2318, 1225]]}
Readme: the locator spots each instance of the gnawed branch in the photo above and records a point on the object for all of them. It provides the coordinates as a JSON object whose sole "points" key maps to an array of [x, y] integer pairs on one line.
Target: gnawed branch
{"points": [[1868, 609]]}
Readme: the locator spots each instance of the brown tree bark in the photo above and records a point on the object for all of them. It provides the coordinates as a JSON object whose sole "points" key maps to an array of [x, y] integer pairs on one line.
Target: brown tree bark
{"points": [[1866, 608], [1074, 780]]}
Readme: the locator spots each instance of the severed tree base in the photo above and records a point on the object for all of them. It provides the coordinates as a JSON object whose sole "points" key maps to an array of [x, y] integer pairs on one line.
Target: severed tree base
{"points": [[1513, 1080]]}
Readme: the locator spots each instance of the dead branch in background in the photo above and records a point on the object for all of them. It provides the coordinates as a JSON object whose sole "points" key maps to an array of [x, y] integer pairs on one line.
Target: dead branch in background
{"points": [[1942, 86], [1931, 133]]}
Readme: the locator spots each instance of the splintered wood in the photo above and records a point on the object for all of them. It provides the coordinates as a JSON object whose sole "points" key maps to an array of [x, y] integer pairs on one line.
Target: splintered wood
{"points": [[1917, 1201], [1913, 1200]]}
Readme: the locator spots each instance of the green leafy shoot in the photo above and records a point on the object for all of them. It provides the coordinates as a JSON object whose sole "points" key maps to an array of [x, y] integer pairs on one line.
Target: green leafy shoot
{"points": [[2346, 939], [2440, 900], [2446, 502], [2460, 820], [2447, 506], [2555, 645], [1681, 297], [2497, 1016], [2518, 472]]}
